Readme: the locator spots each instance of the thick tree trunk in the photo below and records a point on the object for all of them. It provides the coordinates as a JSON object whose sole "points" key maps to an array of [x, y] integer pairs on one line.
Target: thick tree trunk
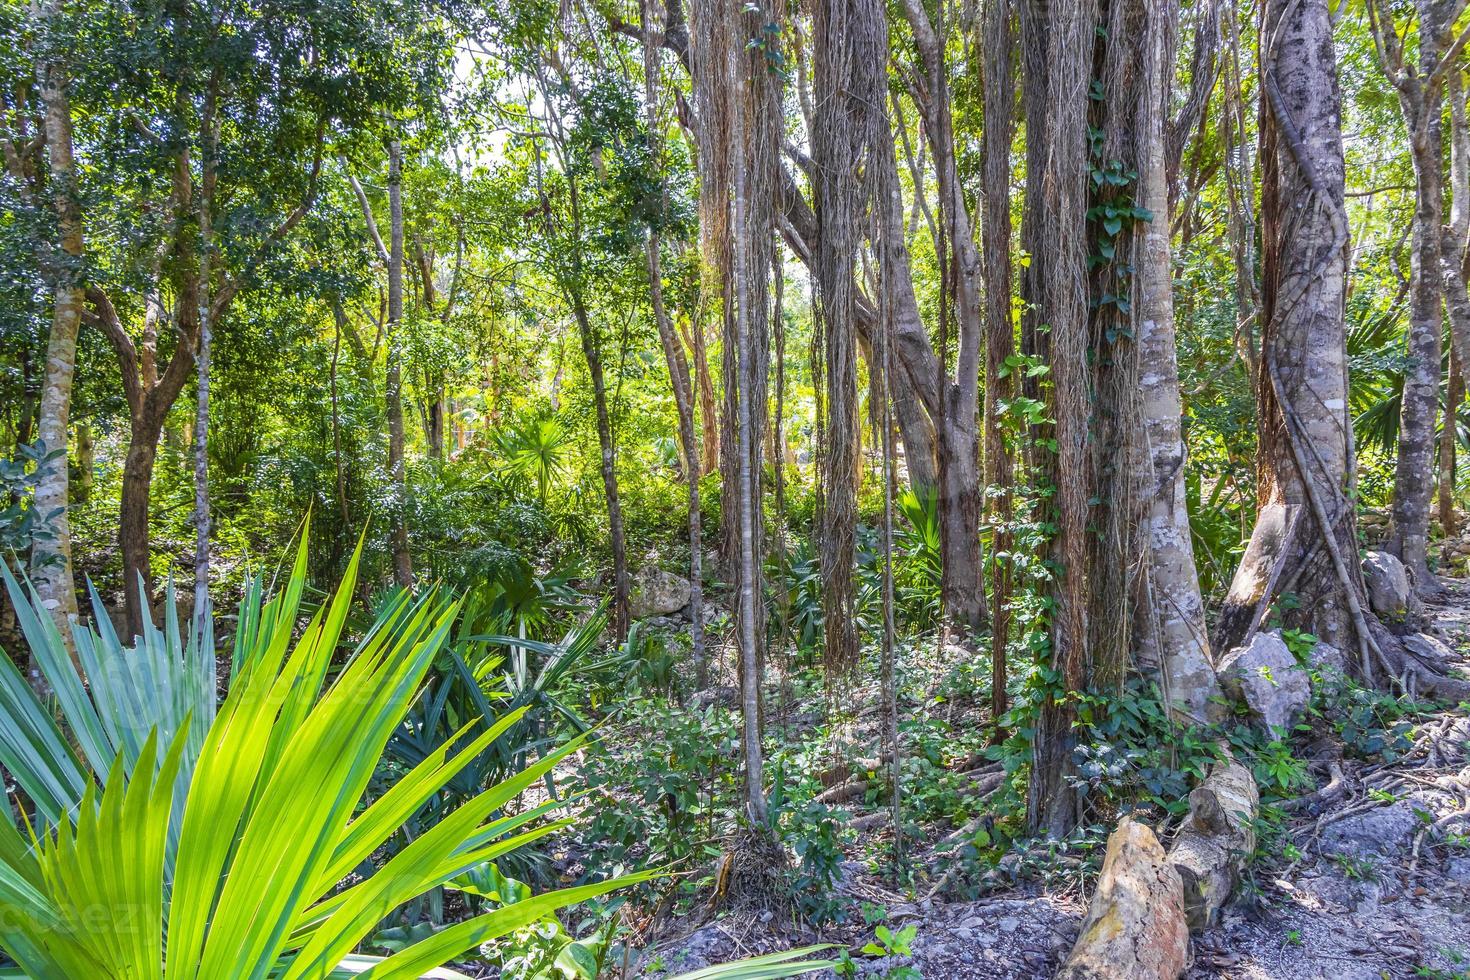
{"points": [[393, 381], [1177, 640], [51, 570], [1064, 33], [959, 433], [1304, 539], [849, 73]]}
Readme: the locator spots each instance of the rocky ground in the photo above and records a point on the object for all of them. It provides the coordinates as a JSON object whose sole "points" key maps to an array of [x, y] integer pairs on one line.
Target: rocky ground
{"points": [[1376, 883]]}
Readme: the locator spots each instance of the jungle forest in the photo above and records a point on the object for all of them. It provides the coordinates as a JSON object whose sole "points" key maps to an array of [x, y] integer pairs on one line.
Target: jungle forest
{"points": [[695, 489]]}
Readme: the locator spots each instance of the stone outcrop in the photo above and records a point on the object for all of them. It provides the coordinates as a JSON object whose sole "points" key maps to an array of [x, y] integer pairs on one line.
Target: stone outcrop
{"points": [[1266, 677]]}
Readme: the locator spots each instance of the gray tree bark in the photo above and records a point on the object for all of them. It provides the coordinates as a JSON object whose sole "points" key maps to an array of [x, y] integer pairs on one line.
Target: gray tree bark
{"points": [[51, 570], [393, 378]]}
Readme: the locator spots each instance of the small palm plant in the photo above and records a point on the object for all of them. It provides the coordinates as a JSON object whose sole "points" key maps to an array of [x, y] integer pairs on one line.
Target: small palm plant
{"points": [[166, 838]]}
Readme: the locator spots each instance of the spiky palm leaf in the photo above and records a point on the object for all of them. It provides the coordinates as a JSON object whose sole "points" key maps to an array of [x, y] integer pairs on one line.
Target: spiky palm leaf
{"points": [[273, 813]]}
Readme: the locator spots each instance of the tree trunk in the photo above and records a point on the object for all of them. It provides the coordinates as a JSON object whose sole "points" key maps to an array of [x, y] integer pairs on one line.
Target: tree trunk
{"points": [[678, 365], [1177, 640], [1062, 35], [959, 432], [849, 75], [202, 368], [81, 490], [393, 383], [51, 570], [1413, 484], [591, 349], [1000, 343], [1304, 539], [1454, 397], [133, 529]]}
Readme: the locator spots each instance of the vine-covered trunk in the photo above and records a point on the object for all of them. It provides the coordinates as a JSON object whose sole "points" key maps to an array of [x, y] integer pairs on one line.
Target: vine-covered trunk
{"points": [[1304, 538], [1058, 74]]}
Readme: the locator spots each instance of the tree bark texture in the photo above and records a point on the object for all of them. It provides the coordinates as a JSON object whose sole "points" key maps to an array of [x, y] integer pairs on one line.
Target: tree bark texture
{"points": [[51, 570]]}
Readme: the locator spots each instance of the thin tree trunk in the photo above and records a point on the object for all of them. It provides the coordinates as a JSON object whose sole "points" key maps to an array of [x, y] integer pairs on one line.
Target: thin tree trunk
{"points": [[591, 349], [1000, 343], [51, 570], [678, 365], [202, 368], [1454, 397], [393, 383]]}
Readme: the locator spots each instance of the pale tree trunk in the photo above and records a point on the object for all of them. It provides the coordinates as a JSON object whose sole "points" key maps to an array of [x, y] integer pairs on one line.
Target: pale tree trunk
{"points": [[1177, 640], [1413, 484], [1000, 344], [393, 380], [1453, 246], [202, 367], [1420, 94], [51, 570]]}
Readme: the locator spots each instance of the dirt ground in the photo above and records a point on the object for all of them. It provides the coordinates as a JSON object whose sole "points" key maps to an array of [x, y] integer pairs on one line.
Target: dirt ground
{"points": [[1381, 888]]}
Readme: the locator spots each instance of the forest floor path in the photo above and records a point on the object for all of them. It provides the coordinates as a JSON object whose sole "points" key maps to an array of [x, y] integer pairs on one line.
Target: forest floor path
{"points": [[1371, 881]]}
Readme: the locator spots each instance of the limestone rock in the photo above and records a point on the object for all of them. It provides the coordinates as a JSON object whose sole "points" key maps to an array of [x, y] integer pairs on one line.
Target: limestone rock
{"points": [[1266, 676], [1328, 660], [1136, 927], [1389, 592], [657, 593], [1383, 832], [1216, 841]]}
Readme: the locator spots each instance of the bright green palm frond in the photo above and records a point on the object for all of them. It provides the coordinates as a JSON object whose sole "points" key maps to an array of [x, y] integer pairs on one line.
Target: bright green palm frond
{"points": [[772, 966]]}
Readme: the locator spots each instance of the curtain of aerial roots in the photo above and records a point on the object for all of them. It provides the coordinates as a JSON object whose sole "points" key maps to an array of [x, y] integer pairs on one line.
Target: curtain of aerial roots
{"points": [[850, 45], [737, 98], [1117, 566], [1058, 60], [1000, 98]]}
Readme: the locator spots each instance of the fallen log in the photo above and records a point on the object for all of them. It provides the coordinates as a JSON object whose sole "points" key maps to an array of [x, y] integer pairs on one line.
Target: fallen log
{"points": [[1216, 841], [1135, 928]]}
